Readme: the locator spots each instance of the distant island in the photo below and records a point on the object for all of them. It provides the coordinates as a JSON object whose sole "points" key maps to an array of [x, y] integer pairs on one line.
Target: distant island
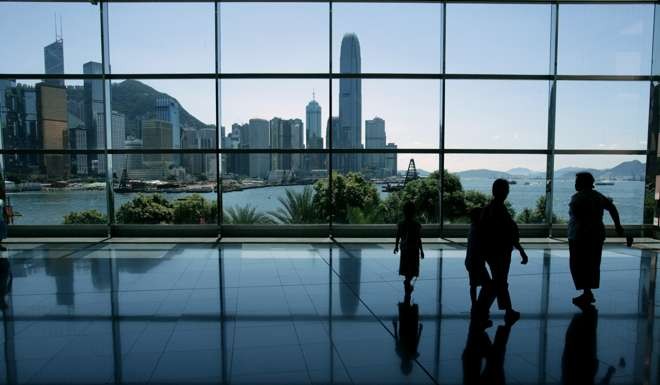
{"points": [[630, 170]]}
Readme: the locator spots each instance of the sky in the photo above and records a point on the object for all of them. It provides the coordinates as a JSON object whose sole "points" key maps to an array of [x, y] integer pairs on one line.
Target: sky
{"points": [[396, 38]]}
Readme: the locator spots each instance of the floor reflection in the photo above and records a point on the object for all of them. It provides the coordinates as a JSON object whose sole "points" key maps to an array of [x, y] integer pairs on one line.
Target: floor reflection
{"points": [[312, 314]]}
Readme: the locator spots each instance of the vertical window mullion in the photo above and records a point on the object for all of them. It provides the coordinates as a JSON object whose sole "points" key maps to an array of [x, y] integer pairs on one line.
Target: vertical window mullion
{"points": [[552, 104]]}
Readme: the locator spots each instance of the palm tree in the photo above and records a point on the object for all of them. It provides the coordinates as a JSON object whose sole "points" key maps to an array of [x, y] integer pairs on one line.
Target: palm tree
{"points": [[244, 215], [297, 207]]}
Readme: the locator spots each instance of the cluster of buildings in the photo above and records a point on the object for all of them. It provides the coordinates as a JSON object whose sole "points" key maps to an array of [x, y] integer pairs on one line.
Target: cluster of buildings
{"points": [[51, 116], [344, 130]]}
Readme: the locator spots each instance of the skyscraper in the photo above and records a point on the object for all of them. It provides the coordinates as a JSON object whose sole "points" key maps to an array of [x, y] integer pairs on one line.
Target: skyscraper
{"points": [[286, 134], [54, 61], [258, 136], [391, 160], [313, 121], [18, 114], [167, 109], [78, 140], [53, 120], [313, 137], [375, 139], [350, 103], [118, 141], [157, 134], [94, 115], [208, 139], [192, 163]]}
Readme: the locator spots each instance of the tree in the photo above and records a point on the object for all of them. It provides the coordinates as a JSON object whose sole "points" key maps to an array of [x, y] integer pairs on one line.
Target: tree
{"points": [[350, 190], [536, 215], [195, 209], [146, 209], [87, 217], [297, 207], [243, 215], [425, 193]]}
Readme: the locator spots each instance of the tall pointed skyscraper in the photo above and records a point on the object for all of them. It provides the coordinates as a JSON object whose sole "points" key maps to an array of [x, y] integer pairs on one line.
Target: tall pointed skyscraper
{"points": [[350, 104], [54, 57]]}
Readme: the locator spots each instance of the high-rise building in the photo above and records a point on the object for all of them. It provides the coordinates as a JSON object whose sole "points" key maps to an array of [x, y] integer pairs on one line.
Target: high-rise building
{"points": [[94, 116], [167, 109], [230, 163], [118, 141], [313, 138], [313, 122], [18, 120], [77, 141], [52, 116], [157, 134], [192, 163], [350, 103], [208, 139], [133, 161], [375, 139], [286, 134], [54, 61], [391, 160], [258, 136]]}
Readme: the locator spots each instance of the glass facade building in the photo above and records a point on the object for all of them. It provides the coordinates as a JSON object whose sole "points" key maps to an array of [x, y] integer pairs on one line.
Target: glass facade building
{"points": [[323, 117]]}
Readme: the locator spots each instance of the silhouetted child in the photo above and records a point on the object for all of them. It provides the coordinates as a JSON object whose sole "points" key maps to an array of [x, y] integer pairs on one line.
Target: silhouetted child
{"points": [[501, 236], [475, 263], [409, 234]]}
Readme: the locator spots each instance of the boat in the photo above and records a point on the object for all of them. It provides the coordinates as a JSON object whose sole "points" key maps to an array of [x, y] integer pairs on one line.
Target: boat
{"points": [[604, 183]]}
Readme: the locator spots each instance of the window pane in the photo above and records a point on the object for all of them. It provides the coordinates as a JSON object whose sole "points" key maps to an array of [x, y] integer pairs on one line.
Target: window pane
{"points": [[272, 188], [274, 37], [496, 114], [498, 38], [371, 113], [376, 190], [476, 174], [605, 39], [165, 188], [400, 37], [44, 189], [163, 114], [619, 177], [267, 113], [602, 115], [161, 38], [35, 42]]}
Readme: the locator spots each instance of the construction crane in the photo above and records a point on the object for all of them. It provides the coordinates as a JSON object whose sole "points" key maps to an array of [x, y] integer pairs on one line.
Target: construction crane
{"points": [[411, 174]]}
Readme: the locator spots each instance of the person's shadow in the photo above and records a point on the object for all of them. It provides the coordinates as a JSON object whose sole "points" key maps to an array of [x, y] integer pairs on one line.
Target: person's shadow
{"points": [[5, 282], [579, 362], [479, 347], [407, 333]]}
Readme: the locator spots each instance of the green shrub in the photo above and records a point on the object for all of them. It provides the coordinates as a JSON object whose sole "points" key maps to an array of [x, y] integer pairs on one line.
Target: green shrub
{"points": [[87, 217], [146, 209]]}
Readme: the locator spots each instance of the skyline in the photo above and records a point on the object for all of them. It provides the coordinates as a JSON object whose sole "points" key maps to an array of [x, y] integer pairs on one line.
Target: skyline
{"points": [[516, 110]]}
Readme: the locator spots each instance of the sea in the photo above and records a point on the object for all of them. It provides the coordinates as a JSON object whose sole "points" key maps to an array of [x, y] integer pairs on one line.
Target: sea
{"points": [[50, 207]]}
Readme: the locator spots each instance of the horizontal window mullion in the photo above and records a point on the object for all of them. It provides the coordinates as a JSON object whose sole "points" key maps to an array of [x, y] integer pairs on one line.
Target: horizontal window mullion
{"points": [[599, 152], [326, 75]]}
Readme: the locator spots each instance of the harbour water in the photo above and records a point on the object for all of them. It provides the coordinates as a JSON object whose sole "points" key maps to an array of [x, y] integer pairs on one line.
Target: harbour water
{"points": [[42, 207]]}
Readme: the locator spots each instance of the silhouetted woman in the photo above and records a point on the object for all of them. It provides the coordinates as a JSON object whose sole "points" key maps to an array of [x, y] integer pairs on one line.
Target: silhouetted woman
{"points": [[586, 235], [409, 235]]}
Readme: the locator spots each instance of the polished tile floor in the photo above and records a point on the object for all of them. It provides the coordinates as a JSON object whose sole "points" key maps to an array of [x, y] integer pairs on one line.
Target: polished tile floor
{"points": [[324, 313]]}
